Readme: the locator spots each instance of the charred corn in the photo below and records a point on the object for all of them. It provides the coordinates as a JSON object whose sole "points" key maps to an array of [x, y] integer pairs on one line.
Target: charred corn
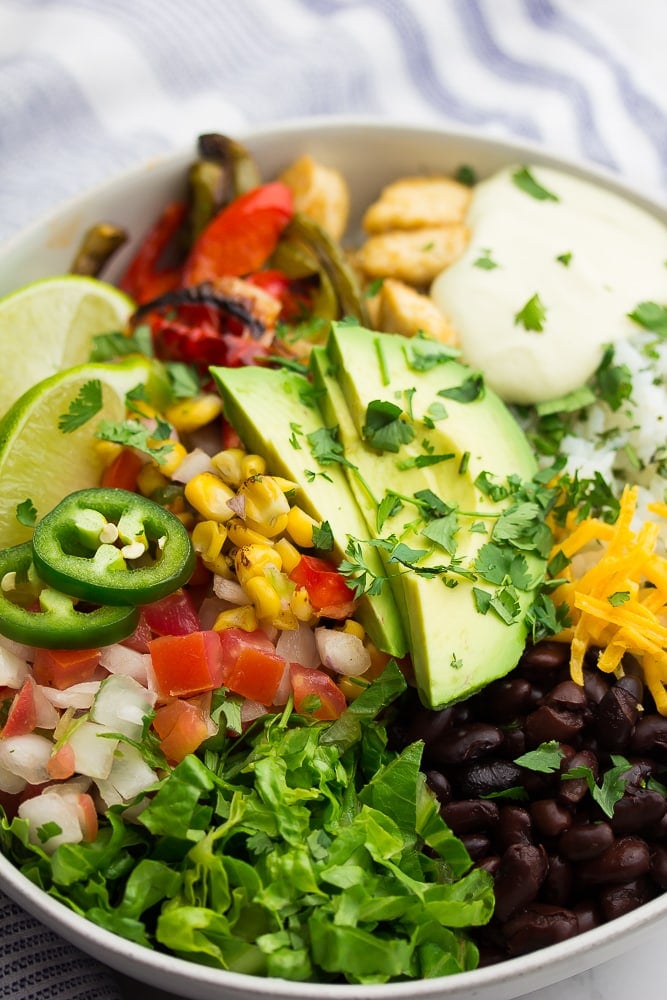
{"points": [[209, 496]]}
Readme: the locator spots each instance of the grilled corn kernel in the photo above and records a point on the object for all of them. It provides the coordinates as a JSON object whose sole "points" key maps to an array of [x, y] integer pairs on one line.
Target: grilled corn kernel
{"points": [[264, 598], [222, 565], [300, 527], [300, 605], [286, 621], [173, 458], [288, 553], [286, 485], [240, 534], [252, 465], [208, 537], [354, 628], [255, 560], [266, 506], [208, 495], [107, 451], [228, 465], [189, 415], [241, 617], [150, 478]]}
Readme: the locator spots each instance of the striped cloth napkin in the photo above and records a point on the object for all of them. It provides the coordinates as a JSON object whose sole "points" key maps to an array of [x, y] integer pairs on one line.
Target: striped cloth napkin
{"points": [[91, 88]]}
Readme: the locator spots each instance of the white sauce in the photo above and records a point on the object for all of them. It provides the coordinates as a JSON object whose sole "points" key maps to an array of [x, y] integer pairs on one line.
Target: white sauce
{"points": [[618, 259]]}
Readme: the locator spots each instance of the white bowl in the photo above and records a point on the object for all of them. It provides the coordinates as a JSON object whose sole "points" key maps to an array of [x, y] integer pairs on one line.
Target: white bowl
{"points": [[370, 154]]}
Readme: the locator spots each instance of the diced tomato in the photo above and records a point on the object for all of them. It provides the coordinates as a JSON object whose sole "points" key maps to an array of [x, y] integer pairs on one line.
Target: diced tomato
{"points": [[242, 236], [122, 473], [233, 640], [173, 615], [22, 717], [143, 279], [182, 727], [186, 664], [230, 439], [256, 674], [61, 764], [87, 813], [327, 589], [60, 668], [316, 694], [141, 636]]}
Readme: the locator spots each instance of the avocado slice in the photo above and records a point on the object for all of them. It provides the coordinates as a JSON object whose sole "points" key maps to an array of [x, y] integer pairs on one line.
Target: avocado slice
{"points": [[442, 445], [274, 411]]}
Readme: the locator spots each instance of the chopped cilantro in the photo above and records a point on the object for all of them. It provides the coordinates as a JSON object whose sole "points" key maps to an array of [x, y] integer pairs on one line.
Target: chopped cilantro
{"points": [[48, 830], [325, 446], [651, 316], [545, 758], [463, 464], [382, 361], [612, 383], [291, 364], [388, 507], [361, 577], [83, 407], [134, 434], [532, 315], [456, 662], [422, 461], [466, 174], [442, 531], [564, 259], [386, 427], [471, 388], [485, 261], [373, 288], [108, 346], [525, 181], [618, 598], [26, 513], [184, 379], [572, 401], [612, 788], [323, 537], [436, 411], [422, 355]]}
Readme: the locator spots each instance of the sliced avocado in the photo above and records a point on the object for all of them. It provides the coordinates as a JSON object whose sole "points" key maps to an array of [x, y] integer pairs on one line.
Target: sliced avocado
{"points": [[274, 411], [456, 649]]}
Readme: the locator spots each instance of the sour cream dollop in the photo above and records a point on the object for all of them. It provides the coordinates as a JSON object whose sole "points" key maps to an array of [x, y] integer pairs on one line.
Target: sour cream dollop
{"points": [[553, 267]]}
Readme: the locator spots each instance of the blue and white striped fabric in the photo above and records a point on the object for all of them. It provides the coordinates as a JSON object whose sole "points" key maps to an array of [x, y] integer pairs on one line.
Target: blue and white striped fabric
{"points": [[89, 87]]}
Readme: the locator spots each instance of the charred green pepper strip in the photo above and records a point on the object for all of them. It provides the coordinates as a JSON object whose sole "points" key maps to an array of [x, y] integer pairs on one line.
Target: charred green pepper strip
{"points": [[119, 570], [57, 625]]}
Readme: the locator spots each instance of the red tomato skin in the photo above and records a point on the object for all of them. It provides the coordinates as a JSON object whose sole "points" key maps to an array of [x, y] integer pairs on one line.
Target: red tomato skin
{"points": [[186, 664], [233, 640], [122, 473], [181, 727], [22, 717], [242, 236], [141, 636], [256, 674], [327, 589], [61, 668], [316, 684], [173, 615]]}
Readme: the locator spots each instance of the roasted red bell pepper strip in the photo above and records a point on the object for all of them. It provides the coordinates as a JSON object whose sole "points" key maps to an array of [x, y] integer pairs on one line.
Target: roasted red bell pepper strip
{"points": [[144, 280], [241, 237]]}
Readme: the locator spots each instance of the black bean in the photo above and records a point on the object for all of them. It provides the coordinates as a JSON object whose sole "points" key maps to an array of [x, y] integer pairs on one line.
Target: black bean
{"points": [[514, 827], [440, 785], [587, 914], [506, 699], [467, 742], [595, 686], [659, 865], [514, 742], [573, 790], [639, 808], [634, 685], [626, 859], [550, 817], [584, 841], [567, 695], [486, 776], [650, 735], [490, 864], [546, 656], [469, 815], [551, 723], [427, 726], [617, 714], [539, 925], [557, 886], [615, 900], [522, 871], [476, 844]]}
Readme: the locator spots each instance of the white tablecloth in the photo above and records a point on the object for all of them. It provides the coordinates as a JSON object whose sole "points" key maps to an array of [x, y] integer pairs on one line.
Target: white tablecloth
{"points": [[89, 87]]}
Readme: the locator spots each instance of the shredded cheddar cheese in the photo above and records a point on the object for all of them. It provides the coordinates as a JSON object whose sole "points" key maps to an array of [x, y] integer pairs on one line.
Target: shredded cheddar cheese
{"points": [[618, 604]]}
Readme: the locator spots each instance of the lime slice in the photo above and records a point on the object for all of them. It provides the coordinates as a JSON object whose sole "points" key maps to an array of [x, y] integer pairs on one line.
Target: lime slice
{"points": [[40, 462], [48, 326]]}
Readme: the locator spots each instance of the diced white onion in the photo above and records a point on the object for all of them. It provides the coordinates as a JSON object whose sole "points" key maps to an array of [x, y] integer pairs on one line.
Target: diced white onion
{"points": [[18, 648], [342, 652], [13, 669], [76, 696], [121, 705], [118, 659], [209, 609], [93, 751], [10, 782], [51, 808], [46, 714], [251, 710], [229, 590], [26, 757], [193, 464], [129, 776], [298, 645], [284, 689]]}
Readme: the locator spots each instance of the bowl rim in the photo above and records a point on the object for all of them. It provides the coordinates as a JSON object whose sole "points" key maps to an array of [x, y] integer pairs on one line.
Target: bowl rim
{"points": [[106, 945]]}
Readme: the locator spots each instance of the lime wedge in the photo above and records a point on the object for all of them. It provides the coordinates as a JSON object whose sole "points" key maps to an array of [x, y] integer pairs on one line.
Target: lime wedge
{"points": [[42, 463], [48, 326]]}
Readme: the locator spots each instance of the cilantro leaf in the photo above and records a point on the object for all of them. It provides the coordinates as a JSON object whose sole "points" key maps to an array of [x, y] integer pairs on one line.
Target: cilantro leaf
{"points": [[442, 531], [134, 434], [564, 258], [471, 388], [386, 427], [545, 758], [325, 446], [485, 261], [422, 461], [323, 537], [388, 507], [525, 181], [422, 355], [466, 174], [612, 787], [26, 513], [83, 407], [109, 346], [532, 315], [184, 379], [619, 598], [612, 383], [651, 316]]}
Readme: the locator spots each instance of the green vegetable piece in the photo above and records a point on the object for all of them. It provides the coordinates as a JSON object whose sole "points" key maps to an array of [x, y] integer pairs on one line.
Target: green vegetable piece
{"points": [[88, 524], [525, 181], [131, 528]]}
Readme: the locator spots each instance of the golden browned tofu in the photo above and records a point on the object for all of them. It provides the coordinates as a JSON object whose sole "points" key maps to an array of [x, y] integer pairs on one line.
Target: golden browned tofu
{"points": [[415, 256], [402, 309], [319, 192], [414, 202]]}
